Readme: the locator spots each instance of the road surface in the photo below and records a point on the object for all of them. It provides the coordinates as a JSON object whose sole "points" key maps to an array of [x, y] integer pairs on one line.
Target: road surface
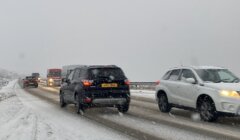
{"points": [[143, 121]]}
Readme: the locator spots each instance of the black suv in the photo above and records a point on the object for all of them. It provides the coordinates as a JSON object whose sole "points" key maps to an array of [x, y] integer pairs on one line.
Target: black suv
{"points": [[96, 86]]}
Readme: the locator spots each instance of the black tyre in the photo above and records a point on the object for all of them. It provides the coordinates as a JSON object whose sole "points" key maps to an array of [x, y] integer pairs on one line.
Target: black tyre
{"points": [[123, 108], [62, 101], [79, 106], [207, 110], [163, 104]]}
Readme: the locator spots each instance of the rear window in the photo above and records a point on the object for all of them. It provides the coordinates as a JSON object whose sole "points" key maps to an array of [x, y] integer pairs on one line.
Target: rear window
{"points": [[106, 73], [29, 78]]}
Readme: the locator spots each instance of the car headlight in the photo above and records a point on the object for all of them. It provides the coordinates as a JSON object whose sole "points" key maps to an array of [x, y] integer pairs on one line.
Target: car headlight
{"points": [[39, 78], [50, 80], [227, 93]]}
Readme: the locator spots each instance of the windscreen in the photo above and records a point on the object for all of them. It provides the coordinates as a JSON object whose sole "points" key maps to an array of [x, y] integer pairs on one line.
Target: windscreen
{"points": [[217, 75], [54, 73], [107, 73]]}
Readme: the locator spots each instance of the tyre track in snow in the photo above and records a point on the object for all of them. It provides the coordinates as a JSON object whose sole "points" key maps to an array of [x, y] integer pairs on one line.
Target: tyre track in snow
{"points": [[180, 118], [35, 122], [133, 132]]}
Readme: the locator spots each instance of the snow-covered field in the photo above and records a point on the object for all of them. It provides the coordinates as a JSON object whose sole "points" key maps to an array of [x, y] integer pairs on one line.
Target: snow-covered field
{"points": [[26, 117]]}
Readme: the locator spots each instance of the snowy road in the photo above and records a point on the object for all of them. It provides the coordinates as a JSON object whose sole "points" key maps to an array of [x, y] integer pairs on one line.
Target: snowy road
{"points": [[26, 117], [35, 114]]}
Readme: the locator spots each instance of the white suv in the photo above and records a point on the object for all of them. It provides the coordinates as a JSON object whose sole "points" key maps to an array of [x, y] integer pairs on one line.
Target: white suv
{"points": [[213, 91]]}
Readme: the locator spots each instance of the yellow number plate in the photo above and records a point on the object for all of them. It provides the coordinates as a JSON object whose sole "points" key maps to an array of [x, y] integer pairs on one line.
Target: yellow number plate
{"points": [[111, 85]]}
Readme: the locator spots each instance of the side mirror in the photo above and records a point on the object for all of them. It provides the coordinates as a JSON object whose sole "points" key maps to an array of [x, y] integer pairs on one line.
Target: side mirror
{"points": [[64, 80], [191, 80]]}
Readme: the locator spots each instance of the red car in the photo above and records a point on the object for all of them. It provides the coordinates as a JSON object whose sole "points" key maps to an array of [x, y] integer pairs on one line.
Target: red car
{"points": [[30, 81]]}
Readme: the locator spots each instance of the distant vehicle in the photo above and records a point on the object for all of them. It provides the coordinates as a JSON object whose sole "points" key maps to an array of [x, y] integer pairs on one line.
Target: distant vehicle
{"points": [[96, 86], [213, 91], [54, 77], [30, 81], [37, 76], [66, 70]]}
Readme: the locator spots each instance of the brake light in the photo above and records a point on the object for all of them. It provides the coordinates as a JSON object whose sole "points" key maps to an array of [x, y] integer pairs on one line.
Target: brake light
{"points": [[87, 83], [158, 82], [87, 100], [127, 82]]}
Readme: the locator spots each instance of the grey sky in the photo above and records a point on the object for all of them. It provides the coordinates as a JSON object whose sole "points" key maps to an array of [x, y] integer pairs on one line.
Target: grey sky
{"points": [[144, 37]]}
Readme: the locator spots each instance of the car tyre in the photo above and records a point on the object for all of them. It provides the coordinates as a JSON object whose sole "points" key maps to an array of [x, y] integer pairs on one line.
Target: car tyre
{"points": [[62, 102], [207, 110], [163, 104], [79, 106], [123, 108]]}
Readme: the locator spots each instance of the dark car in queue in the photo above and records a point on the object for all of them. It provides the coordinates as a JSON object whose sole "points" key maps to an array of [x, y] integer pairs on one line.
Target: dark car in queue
{"points": [[96, 86], [37, 76], [30, 81]]}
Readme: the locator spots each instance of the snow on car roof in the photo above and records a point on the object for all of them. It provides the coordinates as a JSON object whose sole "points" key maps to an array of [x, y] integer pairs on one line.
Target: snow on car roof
{"points": [[197, 67], [207, 67]]}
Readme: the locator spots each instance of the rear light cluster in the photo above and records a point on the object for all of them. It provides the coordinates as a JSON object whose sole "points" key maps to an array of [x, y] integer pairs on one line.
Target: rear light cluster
{"points": [[127, 82], [158, 82], [87, 100], [87, 83]]}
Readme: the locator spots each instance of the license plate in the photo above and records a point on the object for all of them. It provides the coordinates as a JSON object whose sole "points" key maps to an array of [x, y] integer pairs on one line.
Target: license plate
{"points": [[111, 85]]}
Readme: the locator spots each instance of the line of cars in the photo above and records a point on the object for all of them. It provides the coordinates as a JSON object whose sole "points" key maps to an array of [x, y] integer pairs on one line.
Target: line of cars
{"points": [[211, 91]]}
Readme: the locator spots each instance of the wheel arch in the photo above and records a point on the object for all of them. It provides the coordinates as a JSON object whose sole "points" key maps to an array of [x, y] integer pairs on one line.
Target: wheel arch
{"points": [[159, 92], [201, 97]]}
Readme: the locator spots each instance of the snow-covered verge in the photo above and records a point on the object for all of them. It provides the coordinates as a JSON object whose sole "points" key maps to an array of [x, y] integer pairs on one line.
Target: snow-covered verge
{"points": [[7, 75], [143, 93], [7, 91], [26, 117]]}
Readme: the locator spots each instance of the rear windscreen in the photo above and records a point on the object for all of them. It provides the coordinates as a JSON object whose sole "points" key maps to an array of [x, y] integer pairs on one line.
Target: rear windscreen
{"points": [[107, 73], [29, 78]]}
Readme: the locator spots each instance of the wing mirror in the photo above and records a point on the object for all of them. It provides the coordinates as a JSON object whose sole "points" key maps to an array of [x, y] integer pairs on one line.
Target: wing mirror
{"points": [[191, 80], [65, 80]]}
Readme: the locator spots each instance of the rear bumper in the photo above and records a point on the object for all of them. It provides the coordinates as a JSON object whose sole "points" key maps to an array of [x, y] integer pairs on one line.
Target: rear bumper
{"points": [[110, 101], [106, 98]]}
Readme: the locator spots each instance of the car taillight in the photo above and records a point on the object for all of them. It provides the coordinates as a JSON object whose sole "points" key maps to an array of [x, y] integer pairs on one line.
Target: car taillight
{"points": [[158, 82], [87, 83], [87, 100], [127, 82]]}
